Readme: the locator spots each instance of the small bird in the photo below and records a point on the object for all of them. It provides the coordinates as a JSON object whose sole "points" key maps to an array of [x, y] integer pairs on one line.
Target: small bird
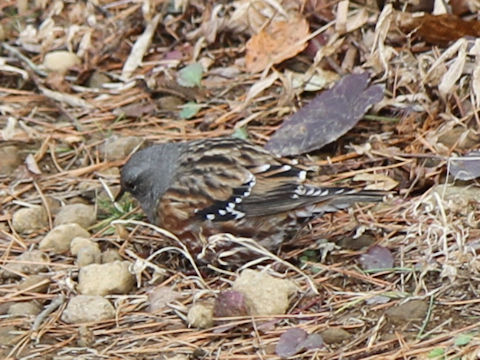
{"points": [[226, 185]]}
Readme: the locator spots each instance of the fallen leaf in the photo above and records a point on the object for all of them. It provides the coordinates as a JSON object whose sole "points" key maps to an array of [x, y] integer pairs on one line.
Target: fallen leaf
{"points": [[277, 42], [189, 110], [439, 29], [327, 117], [190, 75], [463, 339]]}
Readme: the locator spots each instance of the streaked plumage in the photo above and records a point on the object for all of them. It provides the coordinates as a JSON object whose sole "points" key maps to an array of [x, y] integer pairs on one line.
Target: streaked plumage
{"points": [[203, 187]]}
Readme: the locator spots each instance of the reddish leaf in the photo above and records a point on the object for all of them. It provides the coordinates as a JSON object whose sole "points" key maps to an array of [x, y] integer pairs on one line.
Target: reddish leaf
{"points": [[327, 117], [439, 29], [277, 42]]}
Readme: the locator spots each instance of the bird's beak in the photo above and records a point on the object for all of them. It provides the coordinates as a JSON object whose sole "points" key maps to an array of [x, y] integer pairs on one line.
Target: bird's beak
{"points": [[119, 195]]}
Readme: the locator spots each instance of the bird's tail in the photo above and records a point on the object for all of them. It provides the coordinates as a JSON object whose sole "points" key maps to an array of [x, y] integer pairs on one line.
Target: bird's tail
{"points": [[352, 196], [334, 199]]}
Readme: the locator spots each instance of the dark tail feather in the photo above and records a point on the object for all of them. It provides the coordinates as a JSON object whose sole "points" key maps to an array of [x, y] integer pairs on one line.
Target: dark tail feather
{"points": [[367, 196], [343, 201]]}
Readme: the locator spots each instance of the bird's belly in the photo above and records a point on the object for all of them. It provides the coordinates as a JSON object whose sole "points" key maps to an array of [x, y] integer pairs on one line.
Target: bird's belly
{"points": [[267, 231]]}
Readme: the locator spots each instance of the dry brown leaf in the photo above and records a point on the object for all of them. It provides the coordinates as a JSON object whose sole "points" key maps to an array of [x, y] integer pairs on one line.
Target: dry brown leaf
{"points": [[277, 42], [380, 53], [439, 29], [252, 15], [455, 71]]}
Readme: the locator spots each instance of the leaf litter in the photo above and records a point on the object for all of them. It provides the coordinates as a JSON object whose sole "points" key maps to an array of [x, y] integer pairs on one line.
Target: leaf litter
{"points": [[54, 125]]}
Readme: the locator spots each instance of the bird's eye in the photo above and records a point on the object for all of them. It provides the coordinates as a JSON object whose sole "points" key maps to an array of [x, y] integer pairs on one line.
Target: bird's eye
{"points": [[130, 185]]}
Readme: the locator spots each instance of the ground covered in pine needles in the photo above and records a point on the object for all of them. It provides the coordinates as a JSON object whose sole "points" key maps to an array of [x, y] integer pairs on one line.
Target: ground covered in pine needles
{"points": [[85, 83]]}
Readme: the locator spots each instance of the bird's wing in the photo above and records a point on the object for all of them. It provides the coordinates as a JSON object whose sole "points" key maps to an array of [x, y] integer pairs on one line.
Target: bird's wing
{"points": [[307, 200], [213, 178], [227, 179]]}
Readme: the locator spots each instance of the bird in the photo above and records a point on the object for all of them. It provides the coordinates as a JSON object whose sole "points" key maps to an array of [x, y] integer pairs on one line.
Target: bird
{"points": [[199, 188]]}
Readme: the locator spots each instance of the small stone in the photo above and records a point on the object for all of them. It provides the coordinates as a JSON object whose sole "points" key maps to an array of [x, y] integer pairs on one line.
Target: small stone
{"points": [[24, 309], [170, 103], [116, 148], [86, 251], [80, 243], [412, 310], [54, 205], [30, 262], [103, 279], [200, 316], [60, 61], [88, 256], [97, 80], [110, 255], [230, 303], [35, 283], [4, 306], [28, 220], [81, 214], [335, 335], [60, 237], [265, 295], [87, 308], [10, 159]]}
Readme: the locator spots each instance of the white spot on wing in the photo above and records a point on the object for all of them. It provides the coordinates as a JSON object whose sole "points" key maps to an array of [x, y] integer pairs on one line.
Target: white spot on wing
{"points": [[325, 192], [210, 217], [238, 214], [300, 190], [262, 168]]}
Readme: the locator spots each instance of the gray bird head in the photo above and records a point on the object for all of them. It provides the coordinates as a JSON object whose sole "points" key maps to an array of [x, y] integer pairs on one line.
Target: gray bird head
{"points": [[149, 173]]}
